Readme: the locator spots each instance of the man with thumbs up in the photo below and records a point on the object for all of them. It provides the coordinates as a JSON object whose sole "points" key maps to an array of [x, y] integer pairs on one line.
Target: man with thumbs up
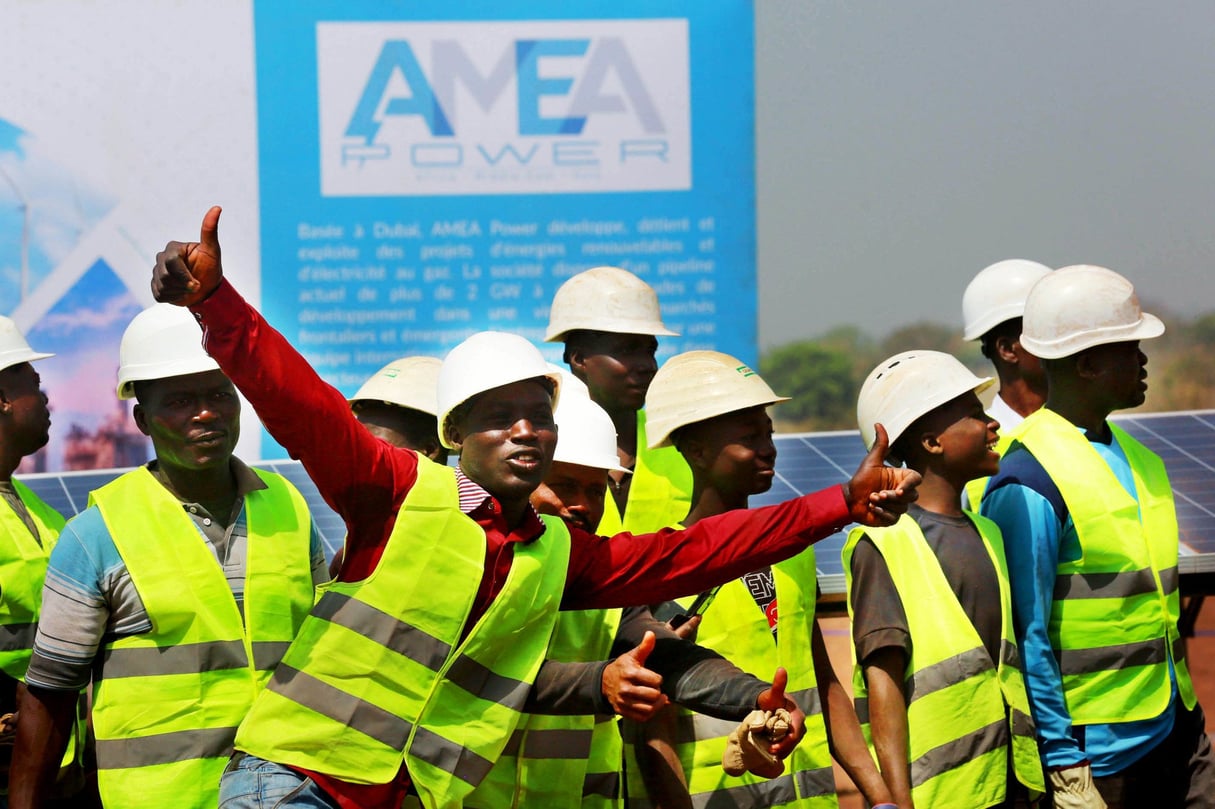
{"points": [[465, 570]]}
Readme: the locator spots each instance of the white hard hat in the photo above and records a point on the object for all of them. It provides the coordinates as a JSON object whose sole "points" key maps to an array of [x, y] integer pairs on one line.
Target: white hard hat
{"points": [[998, 294], [14, 350], [484, 361], [585, 433], [161, 341], [1079, 307], [605, 299], [407, 382], [698, 385], [908, 385]]}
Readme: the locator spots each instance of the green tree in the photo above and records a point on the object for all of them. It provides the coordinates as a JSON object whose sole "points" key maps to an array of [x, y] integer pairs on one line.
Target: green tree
{"points": [[820, 380]]}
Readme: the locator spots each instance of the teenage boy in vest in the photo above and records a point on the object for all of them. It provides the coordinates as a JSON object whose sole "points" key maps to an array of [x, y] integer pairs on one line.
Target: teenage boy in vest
{"points": [[1091, 534], [349, 721], [576, 760], [609, 321], [992, 306], [713, 409], [930, 606], [28, 531], [178, 590]]}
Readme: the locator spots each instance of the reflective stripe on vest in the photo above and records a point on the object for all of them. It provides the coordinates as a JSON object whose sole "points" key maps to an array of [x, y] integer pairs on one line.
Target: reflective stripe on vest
{"points": [[660, 492], [167, 702], [735, 627], [561, 760], [1113, 622], [379, 672], [963, 709], [22, 571]]}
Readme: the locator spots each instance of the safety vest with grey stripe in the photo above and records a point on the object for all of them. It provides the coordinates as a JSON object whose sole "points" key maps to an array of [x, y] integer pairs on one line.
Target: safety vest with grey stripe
{"points": [[735, 627], [1113, 622], [382, 672], [964, 710], [23, 560], [168, 702], [561, 760], [660, 491]]}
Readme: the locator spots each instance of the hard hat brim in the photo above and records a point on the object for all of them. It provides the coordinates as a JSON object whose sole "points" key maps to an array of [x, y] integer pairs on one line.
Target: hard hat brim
{"points": [[1148, 327], [18, 357], [654, 331]]}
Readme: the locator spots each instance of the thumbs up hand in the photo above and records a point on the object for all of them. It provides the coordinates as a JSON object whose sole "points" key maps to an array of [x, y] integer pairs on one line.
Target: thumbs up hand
{"points": [[878, 494], [187, 272], [634, 691]]}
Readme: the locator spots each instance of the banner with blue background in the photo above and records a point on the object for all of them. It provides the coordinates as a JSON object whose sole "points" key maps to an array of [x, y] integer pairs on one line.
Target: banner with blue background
{"points": [[432, 169]]}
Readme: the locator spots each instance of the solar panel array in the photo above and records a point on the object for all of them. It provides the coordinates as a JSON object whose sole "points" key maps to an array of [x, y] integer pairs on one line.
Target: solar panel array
{"points": [[808, 462], [1185, 441]]}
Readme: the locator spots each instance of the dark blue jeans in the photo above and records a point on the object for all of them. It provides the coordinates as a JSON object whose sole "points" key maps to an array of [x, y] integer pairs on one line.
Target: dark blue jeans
{"points": [[253, 783]]}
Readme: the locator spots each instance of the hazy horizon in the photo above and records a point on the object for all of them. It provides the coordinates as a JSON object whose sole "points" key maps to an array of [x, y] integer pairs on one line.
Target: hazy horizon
{"points": [[904, 147]]}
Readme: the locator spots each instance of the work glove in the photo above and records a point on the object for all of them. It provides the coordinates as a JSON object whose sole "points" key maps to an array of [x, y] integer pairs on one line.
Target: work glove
{"points": [[1072, 788], [747, 748]]}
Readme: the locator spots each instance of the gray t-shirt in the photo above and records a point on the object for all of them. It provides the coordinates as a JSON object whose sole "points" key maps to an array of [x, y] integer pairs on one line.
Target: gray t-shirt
{"points": [[879, 620]]}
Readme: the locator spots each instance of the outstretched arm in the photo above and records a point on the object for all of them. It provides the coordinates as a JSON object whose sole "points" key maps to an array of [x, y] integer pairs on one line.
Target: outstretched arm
{"points": [[355, 472]]}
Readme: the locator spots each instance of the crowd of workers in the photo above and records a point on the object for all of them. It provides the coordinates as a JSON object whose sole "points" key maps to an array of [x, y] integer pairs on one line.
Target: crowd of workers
{"points": [[586, 621]]}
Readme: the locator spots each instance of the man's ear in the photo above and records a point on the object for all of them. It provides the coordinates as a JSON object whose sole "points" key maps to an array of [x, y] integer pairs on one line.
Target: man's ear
{"points": [[454, 436], [1086, 366], [575, 357], [931, 443], [694, 451], [1006, 349], [141, 418]]}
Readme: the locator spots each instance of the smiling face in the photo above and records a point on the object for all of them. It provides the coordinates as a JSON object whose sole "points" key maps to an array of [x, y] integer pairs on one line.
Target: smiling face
{"points": [[24, 406], [193, 420], [961, 437], [506, 437]]}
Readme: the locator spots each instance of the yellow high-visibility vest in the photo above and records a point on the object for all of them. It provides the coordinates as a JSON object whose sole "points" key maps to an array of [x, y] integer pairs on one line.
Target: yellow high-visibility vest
{"points": [[23, 561], [660, 492], [1113, 622], [557, 761], [964, 709], [379, 674], [167, 702], [735, 628]]}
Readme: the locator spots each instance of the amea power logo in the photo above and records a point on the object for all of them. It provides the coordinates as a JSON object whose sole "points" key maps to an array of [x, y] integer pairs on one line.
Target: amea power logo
{"points": [[503, 107]]}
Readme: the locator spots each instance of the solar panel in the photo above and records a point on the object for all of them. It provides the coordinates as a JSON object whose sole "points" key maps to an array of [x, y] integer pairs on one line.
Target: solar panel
{"points": [[807, 462], [1185, 441]]}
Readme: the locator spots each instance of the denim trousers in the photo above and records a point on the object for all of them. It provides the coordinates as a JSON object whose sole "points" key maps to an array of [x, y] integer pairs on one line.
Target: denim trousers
{"points": [[250, 782]]}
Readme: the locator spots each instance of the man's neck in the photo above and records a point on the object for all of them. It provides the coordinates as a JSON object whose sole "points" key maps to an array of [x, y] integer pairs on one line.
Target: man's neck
{"points": [[625, 422], [939, 494], [1083, 412], [709, 502], [214, 488], [1021, 397]]}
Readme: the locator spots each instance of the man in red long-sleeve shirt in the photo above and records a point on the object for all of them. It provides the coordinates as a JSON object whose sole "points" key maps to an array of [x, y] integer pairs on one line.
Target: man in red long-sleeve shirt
{"points": [[442, 722]]}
